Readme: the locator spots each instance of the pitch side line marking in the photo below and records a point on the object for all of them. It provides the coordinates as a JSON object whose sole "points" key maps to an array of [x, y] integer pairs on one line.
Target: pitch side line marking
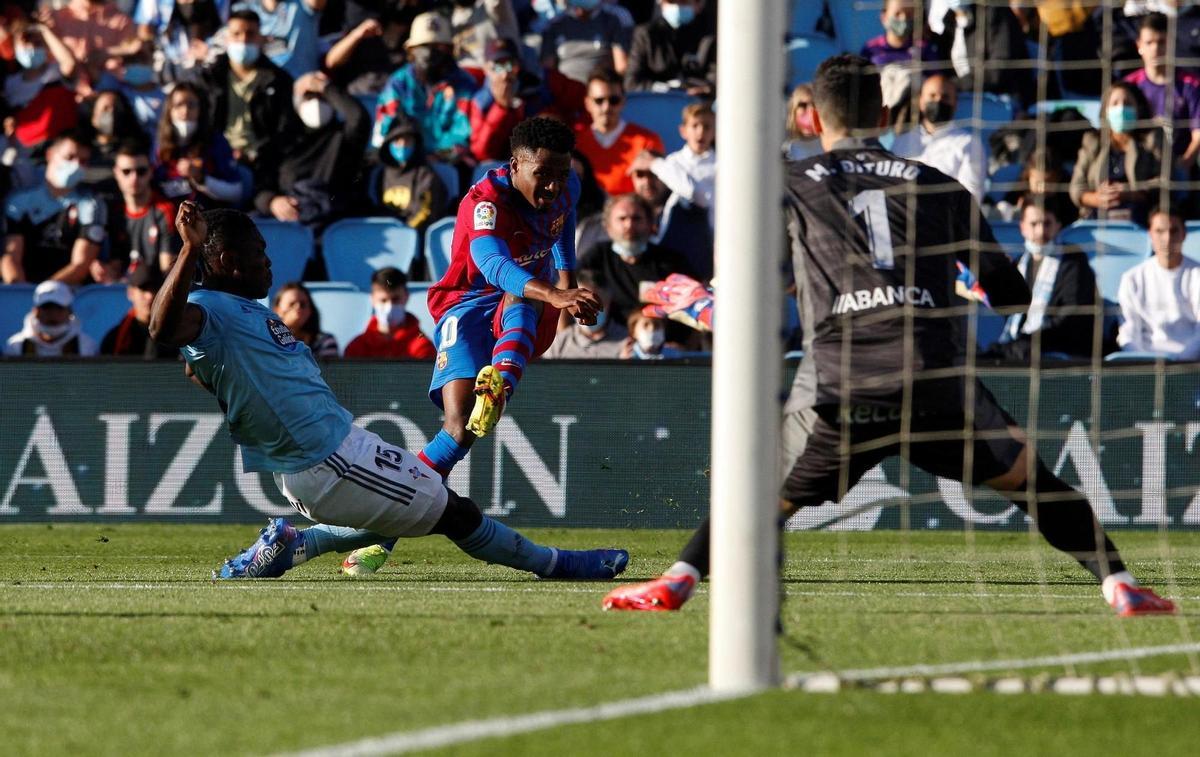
{"points": [[980, 666], [475, 730]]}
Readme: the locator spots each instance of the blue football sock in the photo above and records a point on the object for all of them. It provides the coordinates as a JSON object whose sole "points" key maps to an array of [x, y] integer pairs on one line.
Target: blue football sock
{"points": [[443, 453], [323, 538], [495, 542]]}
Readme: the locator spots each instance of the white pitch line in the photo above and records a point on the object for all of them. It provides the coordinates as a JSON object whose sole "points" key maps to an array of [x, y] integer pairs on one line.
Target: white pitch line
{"points": [[980, 666], [474, 730], [402, 742]]}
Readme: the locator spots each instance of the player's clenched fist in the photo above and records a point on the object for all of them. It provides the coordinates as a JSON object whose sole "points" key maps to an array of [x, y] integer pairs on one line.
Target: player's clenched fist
{"points": [[581, 304], [191, 225]]}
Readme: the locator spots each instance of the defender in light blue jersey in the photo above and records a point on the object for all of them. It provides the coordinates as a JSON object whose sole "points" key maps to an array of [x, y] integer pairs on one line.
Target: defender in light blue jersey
{"points": [[287, 422]]}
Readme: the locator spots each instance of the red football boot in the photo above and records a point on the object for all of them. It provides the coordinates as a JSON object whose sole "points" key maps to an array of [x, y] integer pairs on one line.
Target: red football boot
{"points": [[1136, 600], [667, 592]]}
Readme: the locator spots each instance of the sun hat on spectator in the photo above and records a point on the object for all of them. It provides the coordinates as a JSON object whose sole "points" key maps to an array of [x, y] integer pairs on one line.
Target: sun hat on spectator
{"points": [[429, 29], [53, 293]]}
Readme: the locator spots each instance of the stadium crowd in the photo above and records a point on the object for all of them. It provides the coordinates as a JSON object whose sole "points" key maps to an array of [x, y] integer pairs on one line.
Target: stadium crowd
{"points": [[309, 112]]}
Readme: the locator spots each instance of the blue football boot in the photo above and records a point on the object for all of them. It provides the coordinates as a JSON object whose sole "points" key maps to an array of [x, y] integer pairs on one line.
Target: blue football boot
{"points": [[270, 556], [589, 564]]}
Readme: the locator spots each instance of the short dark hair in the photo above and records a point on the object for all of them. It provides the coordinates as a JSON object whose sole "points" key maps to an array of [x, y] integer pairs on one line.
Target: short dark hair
{"points": [[247, 15], [389, 278], [542, 132], [134, 148], [1155, 22], [227, 230], [1047, 203], [607, 75], [846, 93], [1169, 210], [78, 136]]}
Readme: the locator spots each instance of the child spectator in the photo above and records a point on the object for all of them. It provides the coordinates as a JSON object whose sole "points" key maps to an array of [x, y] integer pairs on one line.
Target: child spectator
{"points": [[609, 142], [392, 332], [402, 185], [51, 328], [54, 229], [1160, 298], [675, 50], [192, 157], [131, 336], [293, 304], [691, 171], [648, 339], [803, 141]]}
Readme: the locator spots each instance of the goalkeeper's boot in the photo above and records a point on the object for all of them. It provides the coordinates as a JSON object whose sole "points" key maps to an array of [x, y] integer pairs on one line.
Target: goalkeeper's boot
{"points": [[667, 592], [589, 564], [489, 401], [365, 561], [1136, 600], [270, 556]]}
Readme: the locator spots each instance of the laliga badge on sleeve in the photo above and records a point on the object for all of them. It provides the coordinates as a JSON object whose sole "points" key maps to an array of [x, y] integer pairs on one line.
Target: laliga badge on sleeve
{"points": [[485, 216]]}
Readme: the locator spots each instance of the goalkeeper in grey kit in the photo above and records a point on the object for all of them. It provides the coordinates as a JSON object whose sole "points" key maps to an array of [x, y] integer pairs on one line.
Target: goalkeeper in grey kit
{"points": [[876, 241]]}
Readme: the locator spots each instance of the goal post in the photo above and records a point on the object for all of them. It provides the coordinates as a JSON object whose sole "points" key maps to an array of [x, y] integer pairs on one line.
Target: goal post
{"points": [[747, 348]]}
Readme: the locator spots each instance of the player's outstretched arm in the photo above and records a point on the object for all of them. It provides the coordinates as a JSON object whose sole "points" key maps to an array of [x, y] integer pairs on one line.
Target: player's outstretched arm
{"points": [[173, 321], [581, 304]]}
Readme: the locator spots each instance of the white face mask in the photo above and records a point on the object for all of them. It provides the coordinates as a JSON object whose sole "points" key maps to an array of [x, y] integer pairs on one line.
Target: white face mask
{"points": [[185, 129], [651, 340], [1041, 250], [65, 174], [630, 249], [391, 313], [315, 112], [51, 332]]}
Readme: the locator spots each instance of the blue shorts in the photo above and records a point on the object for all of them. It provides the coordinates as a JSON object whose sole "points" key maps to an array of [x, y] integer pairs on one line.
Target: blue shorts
{"points": [[465, 337]]}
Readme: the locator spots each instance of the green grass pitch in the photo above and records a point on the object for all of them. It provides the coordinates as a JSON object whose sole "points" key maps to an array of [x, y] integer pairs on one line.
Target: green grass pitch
{"points": [[113, 640]]}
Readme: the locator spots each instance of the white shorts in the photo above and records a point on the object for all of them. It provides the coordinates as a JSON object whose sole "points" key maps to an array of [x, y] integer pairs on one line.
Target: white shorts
{"points": [[368, 484]]}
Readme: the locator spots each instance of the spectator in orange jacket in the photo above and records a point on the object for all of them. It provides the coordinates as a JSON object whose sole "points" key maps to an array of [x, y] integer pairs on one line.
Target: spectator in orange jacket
{"points": [[392, 332], [610, 143]]}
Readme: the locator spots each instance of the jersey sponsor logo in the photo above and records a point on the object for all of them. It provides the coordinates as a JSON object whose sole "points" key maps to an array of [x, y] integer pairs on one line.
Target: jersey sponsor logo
{"points": [[531, 257], [485, 216], [557, 226], [868, 299], [281, 334], [855, 414]]}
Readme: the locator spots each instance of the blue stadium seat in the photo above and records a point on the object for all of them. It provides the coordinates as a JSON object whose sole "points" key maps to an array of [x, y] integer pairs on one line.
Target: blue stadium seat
{"points": [[994, 112], [100, 307], [357, 247], [856, 21], [418, 307], [804, 17], [16, 300], [1089, 109], [437, 247], [344, 310], [659, 112], [289, 246], [1002, 181], [483, 168], [1191, 244], [1121, 357], [804, 54], [1008, 234], [1100, 237], [449, 176], [1109, 268]]}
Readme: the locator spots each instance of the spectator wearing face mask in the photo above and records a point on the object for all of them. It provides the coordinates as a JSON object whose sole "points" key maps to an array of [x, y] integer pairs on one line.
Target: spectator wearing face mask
{"points": [[289, 31], [51, 328], [897, 52], [630, 261], [1116, 169], [603, 339], [953, 150], [648, 339], [313, 182], [979, 40], [249, 97], [54, 229], [113, 123], [180, 28], [143, 236], [585, 37], [392, 332], [1182, 95], [134, 78], [402, 185], [803, 140], [675, 50], [131, 337], [431, 89], [38, 99], [193, 159], [1061, 279], [293, 304]]}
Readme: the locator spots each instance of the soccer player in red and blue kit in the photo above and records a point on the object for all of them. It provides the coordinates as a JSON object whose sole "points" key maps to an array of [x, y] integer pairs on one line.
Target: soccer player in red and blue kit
{"points": [[512, 270]]}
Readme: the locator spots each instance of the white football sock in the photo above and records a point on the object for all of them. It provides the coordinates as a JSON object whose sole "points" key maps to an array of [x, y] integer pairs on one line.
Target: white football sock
{"points": [[683, 569], [1109, 586]]}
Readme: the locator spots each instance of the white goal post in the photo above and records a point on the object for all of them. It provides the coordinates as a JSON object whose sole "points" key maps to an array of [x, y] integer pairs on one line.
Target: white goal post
{"points": [[747, 365]]}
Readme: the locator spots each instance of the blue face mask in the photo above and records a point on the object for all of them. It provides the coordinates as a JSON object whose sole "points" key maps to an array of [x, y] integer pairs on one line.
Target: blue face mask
{"points": [[30, 57], [586, 5], [402, 153], [243, 53], [678, 15], [65, 174], [599, 325], [1121, 119], [138, 74]]}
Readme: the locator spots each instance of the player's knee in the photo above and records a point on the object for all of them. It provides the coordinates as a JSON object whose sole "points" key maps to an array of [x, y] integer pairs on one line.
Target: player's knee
{"points": [[1015, 477]]}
